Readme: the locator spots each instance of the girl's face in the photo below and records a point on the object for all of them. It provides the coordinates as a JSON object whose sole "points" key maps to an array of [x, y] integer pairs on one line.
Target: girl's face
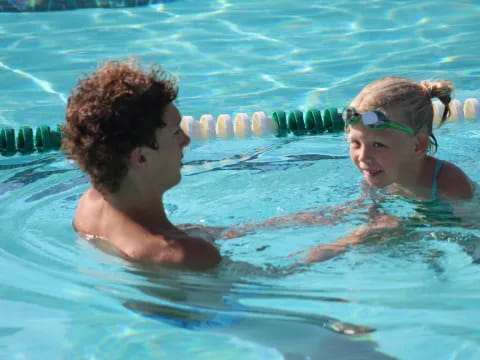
{"points": [[383, 156]]}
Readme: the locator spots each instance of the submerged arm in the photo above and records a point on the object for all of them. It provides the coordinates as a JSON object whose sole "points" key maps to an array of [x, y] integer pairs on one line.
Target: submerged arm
{"points": [[328, 216], [378, 225]]}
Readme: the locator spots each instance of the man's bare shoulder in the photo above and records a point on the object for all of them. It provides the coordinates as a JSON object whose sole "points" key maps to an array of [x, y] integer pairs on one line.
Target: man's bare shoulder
{"points": [[97, 219], [176, 249], [88, 215]]}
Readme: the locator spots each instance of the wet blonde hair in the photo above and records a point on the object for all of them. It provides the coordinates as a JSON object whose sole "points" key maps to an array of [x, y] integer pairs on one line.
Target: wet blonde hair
{"points": [[414, 98]]}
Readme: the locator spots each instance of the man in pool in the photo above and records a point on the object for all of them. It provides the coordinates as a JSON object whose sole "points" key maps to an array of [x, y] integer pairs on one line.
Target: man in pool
{"points": [[123, 130]]}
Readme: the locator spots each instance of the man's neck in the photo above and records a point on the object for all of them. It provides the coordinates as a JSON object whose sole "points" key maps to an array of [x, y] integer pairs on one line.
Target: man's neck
{"points": [[145, 210]]}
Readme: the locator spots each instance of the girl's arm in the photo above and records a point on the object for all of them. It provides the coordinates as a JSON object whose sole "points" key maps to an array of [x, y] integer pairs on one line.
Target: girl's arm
{"points": [[327, 251], [328, 216]]}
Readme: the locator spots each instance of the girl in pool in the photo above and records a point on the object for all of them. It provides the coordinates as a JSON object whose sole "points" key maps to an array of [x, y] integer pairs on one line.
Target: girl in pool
{"points": [[389, 126]]}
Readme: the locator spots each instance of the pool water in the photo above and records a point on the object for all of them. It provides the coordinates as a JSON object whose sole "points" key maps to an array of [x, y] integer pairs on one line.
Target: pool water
{"points": [[411, 294]]}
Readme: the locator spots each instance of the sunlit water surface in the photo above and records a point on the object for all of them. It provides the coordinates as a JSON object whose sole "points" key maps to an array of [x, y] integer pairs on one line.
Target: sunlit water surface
{"points": [[411, 294]]}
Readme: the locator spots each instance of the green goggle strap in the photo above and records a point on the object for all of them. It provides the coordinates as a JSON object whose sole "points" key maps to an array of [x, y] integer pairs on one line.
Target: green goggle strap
{"points": [[387, 124], [401, 128]]}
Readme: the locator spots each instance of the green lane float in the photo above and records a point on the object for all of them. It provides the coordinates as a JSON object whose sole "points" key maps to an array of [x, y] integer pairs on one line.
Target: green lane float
{"points": [[28, 141], [280, 119], [332, 120], [279, 124], [47, 140], [314, 121], [295, 123], [7, 142], [25, 143]]}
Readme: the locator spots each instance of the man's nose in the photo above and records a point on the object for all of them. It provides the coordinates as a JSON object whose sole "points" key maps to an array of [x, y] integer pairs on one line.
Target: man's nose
{"points": [[185, 139]]}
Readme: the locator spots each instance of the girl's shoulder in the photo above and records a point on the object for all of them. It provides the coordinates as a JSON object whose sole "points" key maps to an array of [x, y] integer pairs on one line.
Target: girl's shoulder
{"points": [[453, 182]]}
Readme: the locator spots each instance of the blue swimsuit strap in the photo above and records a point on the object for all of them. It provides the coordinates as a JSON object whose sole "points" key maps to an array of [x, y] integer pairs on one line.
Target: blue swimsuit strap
{"points": [[438, 167]]}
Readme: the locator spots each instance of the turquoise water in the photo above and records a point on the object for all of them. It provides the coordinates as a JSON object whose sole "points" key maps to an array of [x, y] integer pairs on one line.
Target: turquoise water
{"points": [[418, 290]]}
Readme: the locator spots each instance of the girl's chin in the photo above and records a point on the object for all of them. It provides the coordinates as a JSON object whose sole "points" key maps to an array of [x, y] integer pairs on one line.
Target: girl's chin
{"points": [[376, 183], [376, 186]]}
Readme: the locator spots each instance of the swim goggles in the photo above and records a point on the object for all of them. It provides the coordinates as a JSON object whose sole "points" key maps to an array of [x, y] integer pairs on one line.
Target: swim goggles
{"points": [[373, 119]]}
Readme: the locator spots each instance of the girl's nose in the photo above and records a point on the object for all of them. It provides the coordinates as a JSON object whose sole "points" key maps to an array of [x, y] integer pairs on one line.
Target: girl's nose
{"points": [[364, 154]]}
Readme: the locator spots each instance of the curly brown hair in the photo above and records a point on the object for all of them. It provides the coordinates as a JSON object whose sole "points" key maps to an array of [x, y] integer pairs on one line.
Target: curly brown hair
{"points": [[112, 111]]}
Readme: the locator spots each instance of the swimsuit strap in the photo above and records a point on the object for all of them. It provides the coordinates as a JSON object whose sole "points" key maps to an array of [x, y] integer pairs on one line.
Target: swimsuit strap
{"points": [[438, 167]]}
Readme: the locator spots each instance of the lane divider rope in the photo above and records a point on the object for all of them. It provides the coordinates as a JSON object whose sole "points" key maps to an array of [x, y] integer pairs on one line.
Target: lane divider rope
{"points": [[280, 124]]}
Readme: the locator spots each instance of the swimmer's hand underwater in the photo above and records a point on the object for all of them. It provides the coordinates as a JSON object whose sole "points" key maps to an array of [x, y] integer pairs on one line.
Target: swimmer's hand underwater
{"points": [[211, 233], [325, 252]]}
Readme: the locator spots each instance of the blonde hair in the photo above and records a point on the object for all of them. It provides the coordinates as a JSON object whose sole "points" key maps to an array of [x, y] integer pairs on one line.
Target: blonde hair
{"points": [[414, 98]]}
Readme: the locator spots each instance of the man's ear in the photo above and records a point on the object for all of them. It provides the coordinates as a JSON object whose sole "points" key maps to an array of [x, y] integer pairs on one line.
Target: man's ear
{"points": [[421, 147], [137, 158]]}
